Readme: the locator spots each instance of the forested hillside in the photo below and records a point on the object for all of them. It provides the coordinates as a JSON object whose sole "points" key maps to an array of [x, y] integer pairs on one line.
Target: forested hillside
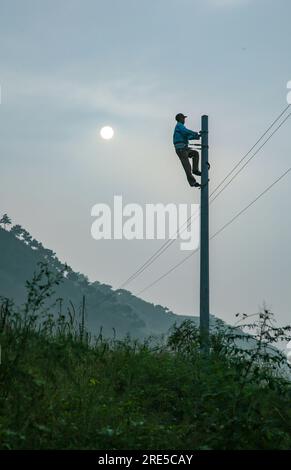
{"points": [[118, 312]]}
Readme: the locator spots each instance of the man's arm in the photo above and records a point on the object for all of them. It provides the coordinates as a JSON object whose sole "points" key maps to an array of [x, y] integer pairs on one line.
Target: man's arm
{"points": [[191, 135]]}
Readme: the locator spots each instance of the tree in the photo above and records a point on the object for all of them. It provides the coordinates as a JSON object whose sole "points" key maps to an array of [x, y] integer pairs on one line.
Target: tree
{"points": [[26, 237], [16, 230], [5, 220]]}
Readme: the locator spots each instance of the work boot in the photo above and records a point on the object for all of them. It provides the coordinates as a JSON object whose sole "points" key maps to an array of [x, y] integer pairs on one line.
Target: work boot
{"points": [[194, 183]]}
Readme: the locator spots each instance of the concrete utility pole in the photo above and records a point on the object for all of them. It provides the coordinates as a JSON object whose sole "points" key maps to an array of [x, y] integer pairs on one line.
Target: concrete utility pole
{"points": [[204, 239]]}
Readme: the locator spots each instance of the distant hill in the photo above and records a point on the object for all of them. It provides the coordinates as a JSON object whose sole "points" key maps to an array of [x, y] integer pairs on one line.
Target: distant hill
{"points": [[117, 312], [111, 309]]}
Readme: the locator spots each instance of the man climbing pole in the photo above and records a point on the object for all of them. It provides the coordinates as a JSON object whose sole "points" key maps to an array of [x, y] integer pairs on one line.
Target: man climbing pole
{"points": [[180, 140]]}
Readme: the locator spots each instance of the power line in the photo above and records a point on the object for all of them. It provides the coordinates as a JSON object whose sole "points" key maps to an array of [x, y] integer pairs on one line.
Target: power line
{"points": [[168, 243], [252, 148], [248, 161], [251, 203], [157, 253], [168, 272], [218, 231]]}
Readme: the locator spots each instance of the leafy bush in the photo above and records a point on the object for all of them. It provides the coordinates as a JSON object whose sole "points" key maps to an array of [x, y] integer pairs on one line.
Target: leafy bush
{"points": [[62, 389]]}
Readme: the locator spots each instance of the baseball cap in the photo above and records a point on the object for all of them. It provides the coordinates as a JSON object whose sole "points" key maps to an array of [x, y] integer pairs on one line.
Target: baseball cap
{"points": [[179, 116]]}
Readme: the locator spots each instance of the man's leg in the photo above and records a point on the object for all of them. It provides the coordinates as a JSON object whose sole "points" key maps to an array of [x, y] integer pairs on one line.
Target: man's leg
{"points": [[183, 155], [194, 154]]}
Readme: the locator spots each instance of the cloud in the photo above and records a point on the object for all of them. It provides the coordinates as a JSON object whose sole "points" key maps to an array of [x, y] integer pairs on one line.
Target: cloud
{"points": [[121, 97]]}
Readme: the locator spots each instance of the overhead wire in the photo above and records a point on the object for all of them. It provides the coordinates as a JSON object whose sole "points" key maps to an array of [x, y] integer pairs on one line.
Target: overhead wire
{"points": [[217, 232], [172, 239]]}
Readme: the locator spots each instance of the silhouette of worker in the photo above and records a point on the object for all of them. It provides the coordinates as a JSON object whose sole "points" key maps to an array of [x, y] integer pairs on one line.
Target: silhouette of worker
{"points": [[180, 140]]}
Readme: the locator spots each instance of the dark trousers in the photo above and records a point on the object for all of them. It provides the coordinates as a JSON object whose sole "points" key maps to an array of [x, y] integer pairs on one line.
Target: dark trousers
{"points": [[184, 155]]}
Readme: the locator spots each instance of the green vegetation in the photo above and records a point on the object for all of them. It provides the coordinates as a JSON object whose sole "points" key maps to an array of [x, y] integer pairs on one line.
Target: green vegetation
{"points": [[62, 389], [104, 306]]}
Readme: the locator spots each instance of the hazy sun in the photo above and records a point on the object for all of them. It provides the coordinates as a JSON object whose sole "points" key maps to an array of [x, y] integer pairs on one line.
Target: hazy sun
{"points": [[107, 132]]}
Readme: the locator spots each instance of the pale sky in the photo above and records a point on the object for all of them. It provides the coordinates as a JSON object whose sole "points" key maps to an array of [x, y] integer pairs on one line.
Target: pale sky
{"points": [[67, 68]]}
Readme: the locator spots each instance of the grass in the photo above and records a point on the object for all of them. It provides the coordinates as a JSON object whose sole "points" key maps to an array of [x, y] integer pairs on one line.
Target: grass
{"points": [[60, 389]]}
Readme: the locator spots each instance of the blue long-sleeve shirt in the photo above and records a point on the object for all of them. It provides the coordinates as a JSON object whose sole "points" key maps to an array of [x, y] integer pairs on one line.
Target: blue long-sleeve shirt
{"points": [[182, 135]]}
